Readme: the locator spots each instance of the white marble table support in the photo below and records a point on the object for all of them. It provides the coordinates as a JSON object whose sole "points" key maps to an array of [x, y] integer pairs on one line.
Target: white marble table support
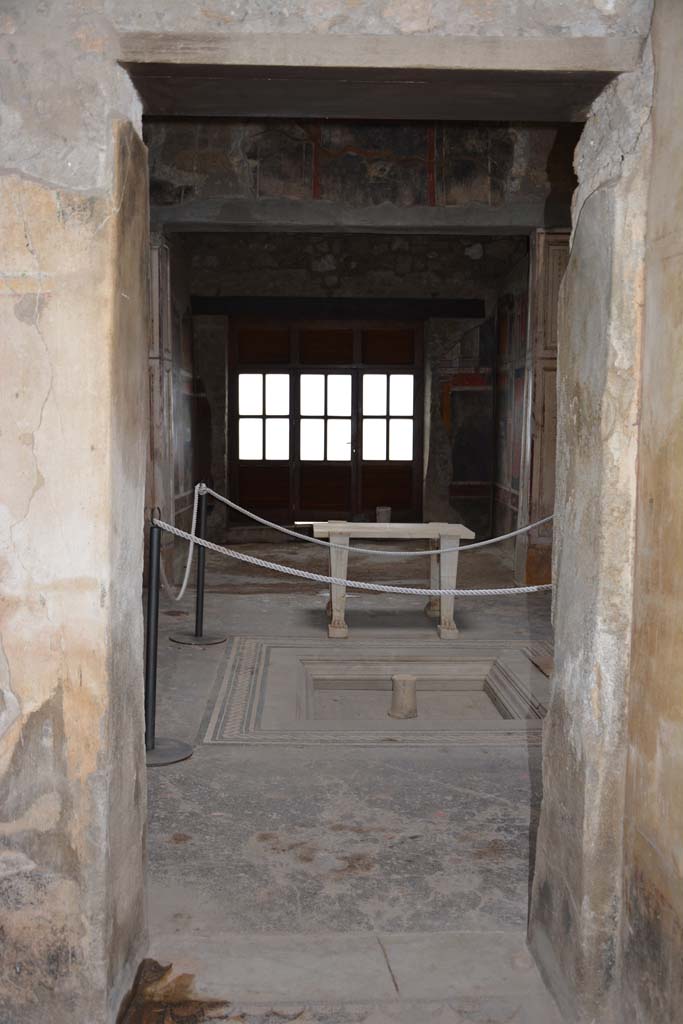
{"points": [[443, 568], [433, 606], [339, 562], [448, 574]]}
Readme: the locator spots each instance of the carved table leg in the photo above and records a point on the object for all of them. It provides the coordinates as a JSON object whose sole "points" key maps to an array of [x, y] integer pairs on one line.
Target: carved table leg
{"points": [[432, 607], [447, 581], [339, 560]]}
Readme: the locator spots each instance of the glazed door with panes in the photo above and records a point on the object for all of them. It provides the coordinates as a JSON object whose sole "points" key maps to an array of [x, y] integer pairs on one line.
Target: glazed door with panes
{"points": [[326, 420]]}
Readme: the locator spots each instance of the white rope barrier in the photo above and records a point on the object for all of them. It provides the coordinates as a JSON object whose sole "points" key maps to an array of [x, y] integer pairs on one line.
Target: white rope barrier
{"points": [[380, 588], [203, 489], [193, 540]]}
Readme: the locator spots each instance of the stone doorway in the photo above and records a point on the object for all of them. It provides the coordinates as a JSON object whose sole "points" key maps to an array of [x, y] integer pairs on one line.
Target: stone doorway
{"points": [[72, 639]]}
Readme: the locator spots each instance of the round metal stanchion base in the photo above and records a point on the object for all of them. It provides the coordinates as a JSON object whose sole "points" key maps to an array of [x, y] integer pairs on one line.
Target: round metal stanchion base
{"points": [[198, 641], [167, 751]]}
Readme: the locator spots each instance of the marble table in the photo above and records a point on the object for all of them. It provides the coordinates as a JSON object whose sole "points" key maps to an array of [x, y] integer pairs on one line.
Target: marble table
{"points": [[443, 568]]}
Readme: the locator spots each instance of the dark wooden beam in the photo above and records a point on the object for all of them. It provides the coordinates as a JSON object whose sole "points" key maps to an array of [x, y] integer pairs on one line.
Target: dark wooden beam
{"points": [[189, 90], [338, 308]]}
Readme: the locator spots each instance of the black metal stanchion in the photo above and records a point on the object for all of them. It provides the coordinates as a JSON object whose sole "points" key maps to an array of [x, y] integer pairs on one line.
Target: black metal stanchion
{"points": [[201, 571], [159, 751], [152, 636], [198, 638]]}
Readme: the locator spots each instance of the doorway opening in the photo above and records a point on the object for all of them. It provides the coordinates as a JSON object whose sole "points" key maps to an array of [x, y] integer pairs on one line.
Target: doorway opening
{"points": [[330, 371]]}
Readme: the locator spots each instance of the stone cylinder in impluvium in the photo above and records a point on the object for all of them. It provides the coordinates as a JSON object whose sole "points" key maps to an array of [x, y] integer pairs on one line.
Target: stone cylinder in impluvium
{"points": [[403, 697]]}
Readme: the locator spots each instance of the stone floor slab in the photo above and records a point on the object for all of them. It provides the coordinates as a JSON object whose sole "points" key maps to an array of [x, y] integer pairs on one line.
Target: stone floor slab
{"points": [[273, 870], [451, 964], [273, 969]]}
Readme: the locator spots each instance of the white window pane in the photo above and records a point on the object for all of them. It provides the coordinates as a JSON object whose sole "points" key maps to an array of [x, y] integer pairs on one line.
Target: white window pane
{"points": [[400, 440], [277, 439], [277, 394], [251, 394], [339, 394], [312, 394], [374, 439], [312, 440], [374, 394], [251, 439], [339, 440], [401, 394]]}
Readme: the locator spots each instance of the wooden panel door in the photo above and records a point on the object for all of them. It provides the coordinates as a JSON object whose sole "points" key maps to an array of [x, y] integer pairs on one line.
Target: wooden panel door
{"points": [[533, 552], [349, 437]]}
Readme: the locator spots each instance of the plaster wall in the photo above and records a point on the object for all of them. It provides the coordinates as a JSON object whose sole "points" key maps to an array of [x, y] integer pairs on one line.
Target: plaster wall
{"points": [[72, 779], [188, 449], [73, 191], [211, 358], [458, 397], [652, 928], [511, 369], [388, 17], [577, 903]]}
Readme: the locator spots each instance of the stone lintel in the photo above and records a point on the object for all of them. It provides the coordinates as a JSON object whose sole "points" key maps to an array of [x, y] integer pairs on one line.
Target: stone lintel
{"points": [[612, 54]]}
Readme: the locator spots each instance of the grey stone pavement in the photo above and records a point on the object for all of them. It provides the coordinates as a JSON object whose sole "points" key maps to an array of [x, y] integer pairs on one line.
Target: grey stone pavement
{"points": [[334, 884]]}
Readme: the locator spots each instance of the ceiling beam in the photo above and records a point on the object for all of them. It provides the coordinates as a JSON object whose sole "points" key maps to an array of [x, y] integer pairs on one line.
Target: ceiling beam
{"points": [[294, 215], [545, 79], [338, 308]]}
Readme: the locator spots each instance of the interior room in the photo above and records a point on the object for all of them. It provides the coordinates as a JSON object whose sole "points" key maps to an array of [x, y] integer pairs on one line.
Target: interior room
{"points": [[341, 428]]}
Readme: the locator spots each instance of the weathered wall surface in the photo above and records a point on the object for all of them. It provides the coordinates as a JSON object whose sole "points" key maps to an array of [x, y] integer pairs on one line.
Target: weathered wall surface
{"points": [[577, 893], [653, 917], [349, 266], [457, 357], [395, 17], [124, 778], [72, 787], [188, 449], [511, 369], [62, 90], [72, 791], [459, 399], [210, 334], [524, 170], [533, 550]]}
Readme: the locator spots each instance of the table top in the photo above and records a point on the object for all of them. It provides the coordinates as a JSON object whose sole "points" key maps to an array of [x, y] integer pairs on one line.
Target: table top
{"points": [[392, 531]]}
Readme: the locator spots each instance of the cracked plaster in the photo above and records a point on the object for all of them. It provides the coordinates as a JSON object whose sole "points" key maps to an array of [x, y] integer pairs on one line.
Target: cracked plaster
{"points": [[389, 17], [71, 577]]}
